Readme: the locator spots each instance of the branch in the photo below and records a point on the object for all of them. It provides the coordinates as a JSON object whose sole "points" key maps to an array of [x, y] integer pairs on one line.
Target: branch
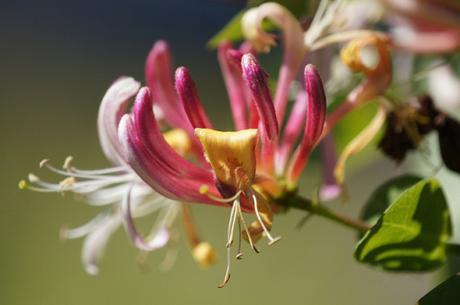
{"points": [[297, 202]]}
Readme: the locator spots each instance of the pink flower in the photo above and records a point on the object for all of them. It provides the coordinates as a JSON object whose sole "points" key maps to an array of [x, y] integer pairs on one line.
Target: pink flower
{"points": [[236, 168]]}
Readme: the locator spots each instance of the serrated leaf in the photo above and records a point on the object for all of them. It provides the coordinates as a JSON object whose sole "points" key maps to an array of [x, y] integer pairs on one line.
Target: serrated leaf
{"points": [[385, 194], [447, 293], [412, 233]]}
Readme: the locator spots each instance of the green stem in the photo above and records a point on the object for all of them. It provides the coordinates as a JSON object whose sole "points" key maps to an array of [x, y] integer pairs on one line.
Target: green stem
{"points": [[305, 204]]}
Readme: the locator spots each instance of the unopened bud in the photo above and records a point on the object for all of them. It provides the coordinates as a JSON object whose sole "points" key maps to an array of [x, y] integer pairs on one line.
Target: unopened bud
{"points": [[204, 254]]}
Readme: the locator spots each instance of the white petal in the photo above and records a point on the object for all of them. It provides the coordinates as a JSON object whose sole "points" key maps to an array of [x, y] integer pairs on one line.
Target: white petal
{"points": [[95, 243], [113, 106], [160, 238]]}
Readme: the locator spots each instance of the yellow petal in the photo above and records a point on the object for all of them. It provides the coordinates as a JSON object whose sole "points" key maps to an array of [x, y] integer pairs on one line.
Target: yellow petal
{"points": [[178, 140], [231, 155], [358, 143]]}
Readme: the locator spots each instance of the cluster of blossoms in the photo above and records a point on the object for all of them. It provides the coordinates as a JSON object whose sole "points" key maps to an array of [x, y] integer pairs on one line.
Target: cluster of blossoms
{"points": [[166, 154]]}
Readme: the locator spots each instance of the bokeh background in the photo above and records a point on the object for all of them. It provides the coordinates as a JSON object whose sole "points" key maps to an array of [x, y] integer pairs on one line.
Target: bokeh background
{"points": [[57, 58]]}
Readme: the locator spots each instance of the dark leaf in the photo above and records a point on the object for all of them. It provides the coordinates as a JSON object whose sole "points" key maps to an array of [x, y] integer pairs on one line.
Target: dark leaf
{"points": [[385, 194], [447, 293], [449, 143]]}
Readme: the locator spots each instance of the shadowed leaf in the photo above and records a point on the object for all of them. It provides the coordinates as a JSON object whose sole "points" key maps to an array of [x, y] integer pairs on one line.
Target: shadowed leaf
{"points": [[412, 233], [447, 293]]}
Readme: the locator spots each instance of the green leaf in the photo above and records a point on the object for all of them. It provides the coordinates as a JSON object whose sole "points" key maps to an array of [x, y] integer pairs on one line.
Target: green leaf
{"points": [[412, 233], [385, 194], [447, 293], [231, 31]]}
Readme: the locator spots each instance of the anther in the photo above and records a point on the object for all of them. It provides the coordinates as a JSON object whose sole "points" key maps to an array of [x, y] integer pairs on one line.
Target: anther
{"points": [[22, 184], [67, 163], [66, 183], [204, 190], [43, 162], [32, 178], [226, 279]]}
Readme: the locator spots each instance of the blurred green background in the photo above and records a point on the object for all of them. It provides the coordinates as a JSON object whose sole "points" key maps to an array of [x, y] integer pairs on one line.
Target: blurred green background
{"points": [[57, 59]]}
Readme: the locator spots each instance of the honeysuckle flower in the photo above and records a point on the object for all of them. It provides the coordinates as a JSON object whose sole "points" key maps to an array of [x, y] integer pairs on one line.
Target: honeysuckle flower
{"points": [[296, 42], [239, 168], [369, 55], [122, 193]]}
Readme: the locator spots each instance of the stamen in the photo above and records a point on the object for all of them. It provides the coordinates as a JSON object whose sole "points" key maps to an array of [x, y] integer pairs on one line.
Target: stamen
{"points": [[204, 189], [67, 163], [239, 254], [230, 229], [43, 162], [259, 218], [67, 183], [245, 227]]}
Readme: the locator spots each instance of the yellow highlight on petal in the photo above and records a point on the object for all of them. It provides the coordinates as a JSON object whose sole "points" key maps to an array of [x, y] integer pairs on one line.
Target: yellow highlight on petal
{"points": [[368, 54], [204, 254], [178, 140], [231, 155]]}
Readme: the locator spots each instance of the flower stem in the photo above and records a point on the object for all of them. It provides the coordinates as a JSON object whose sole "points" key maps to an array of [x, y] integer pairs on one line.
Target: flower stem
{"points": [[305, 204]]}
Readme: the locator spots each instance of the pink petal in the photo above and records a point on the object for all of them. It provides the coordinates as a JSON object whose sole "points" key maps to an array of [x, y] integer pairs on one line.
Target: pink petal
{"points": [[188, 96], [256, 80], [316, 113], [235, 85], [292, 131], [158, 73], [293, 42], [155, 161], [113, 106]]}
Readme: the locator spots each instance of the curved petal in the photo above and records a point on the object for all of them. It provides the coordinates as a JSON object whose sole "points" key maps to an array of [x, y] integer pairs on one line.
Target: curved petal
{"points": [[294, 49], [235, 86], [256, 80], [188, 96], [156, 162], [316, 113], [113, 106], [95, 243], [158, 74], [159, 240]]}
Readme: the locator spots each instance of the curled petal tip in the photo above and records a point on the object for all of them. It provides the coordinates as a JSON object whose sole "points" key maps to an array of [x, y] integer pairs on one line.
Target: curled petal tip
{"points": [[188, 96]]}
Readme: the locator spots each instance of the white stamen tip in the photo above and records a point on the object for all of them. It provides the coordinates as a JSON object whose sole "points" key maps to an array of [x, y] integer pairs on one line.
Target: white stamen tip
{"points": [[43, 162], [226, 279], [274, 240], [32, 178], [67, 163]]}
